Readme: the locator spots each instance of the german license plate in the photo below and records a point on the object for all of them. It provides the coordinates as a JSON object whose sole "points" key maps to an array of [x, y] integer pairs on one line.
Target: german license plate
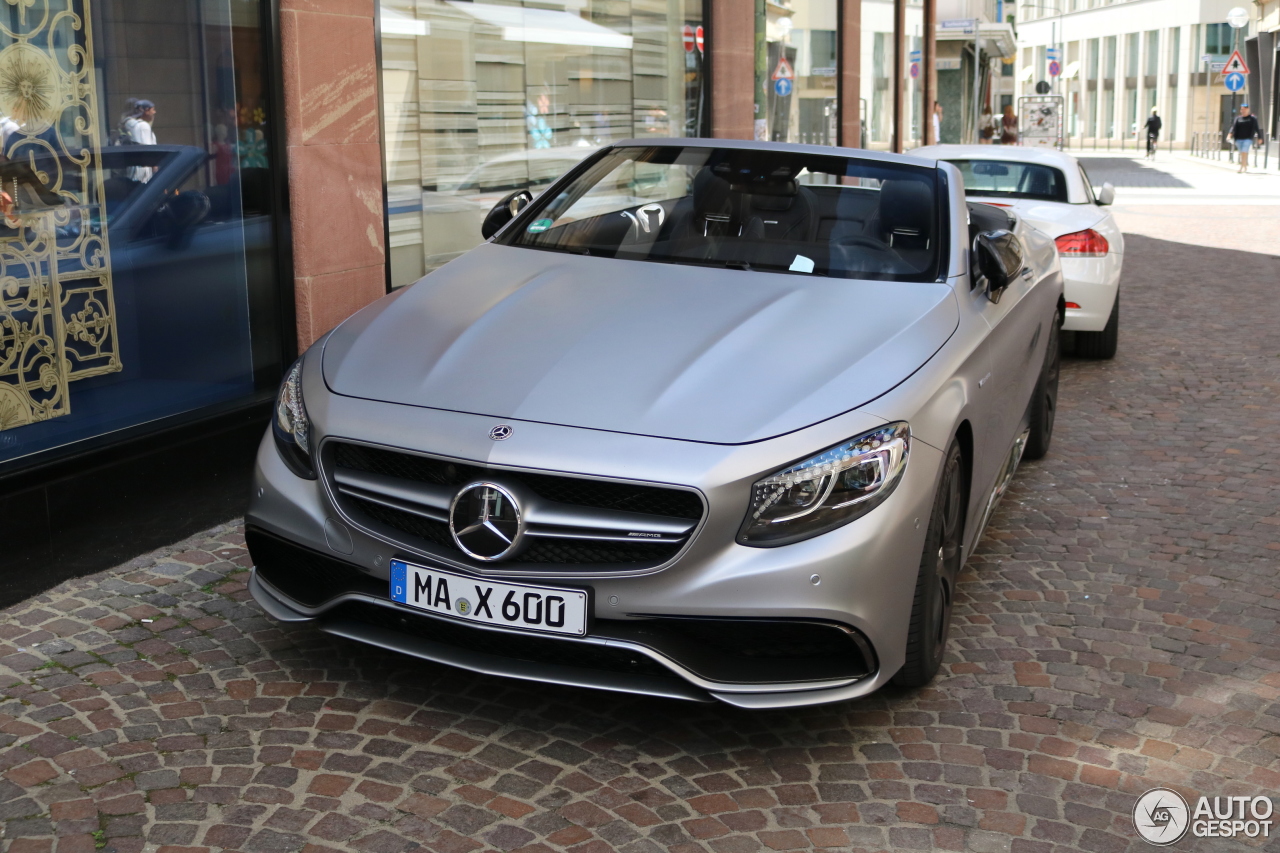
{"points": [[508, 605]]}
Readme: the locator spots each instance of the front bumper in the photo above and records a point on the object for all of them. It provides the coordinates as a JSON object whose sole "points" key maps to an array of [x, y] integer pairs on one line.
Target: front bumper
{"points": [[642, 656], [865, 570]]}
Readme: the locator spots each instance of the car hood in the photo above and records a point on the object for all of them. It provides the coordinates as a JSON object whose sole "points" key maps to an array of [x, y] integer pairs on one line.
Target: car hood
{"points": [[681, 352], [1053, 218]]}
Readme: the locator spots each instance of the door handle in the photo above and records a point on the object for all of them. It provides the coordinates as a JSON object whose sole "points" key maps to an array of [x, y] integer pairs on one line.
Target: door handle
{"points": [[1027, 272]]}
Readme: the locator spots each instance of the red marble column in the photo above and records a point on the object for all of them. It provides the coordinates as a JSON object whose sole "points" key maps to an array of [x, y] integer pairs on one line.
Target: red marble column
{"points": [[335, 160], [731, 40]]}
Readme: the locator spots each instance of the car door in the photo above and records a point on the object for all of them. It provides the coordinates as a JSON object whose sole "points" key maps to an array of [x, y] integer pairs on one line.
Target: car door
{"points": [[1019, 322]]}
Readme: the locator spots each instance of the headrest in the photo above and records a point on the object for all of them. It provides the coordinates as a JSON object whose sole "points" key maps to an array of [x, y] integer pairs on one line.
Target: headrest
{"points": [[906, 207], [710, 194]]}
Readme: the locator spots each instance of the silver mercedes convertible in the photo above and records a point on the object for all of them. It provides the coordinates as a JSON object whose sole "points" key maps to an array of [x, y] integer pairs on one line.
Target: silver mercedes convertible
{"points": [[705, 419]]}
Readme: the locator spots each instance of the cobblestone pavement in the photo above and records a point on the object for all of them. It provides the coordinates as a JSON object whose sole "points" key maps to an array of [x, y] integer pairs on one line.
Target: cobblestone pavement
{"points": [[1116, 630]]}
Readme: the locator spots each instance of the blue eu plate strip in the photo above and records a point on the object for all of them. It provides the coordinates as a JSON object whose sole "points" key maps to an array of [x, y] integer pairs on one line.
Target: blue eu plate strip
{"points": [[399, 582]]}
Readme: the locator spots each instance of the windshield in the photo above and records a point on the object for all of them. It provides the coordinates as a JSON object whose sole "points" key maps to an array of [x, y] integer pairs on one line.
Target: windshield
{"points": [[1010, 179], [776, 211]]}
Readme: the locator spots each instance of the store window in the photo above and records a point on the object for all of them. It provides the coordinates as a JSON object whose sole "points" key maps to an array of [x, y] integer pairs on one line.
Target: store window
{"points": [[483, 98], [800, 63], [137, 241]]}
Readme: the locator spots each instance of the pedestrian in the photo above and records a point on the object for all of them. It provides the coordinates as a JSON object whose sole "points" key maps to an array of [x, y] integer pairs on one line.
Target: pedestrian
{"points": [[937, 122], [986, 126], [1008, 126], [136, 129], [1243, 131], [1153, 133]]}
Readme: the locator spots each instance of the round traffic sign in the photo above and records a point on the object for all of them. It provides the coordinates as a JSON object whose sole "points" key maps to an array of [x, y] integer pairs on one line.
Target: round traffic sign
{"points": [[1234, 81], [1054, 68], [686, 35], [700, 36], [915, 70], [782, 86]]}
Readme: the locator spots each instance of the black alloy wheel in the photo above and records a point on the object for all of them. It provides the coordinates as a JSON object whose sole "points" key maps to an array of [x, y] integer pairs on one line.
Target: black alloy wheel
{"points": [[1044, 400], [935, 584]]}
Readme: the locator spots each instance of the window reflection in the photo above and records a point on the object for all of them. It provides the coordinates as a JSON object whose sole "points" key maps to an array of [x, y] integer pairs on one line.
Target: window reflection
{"points": [[484, 98]]}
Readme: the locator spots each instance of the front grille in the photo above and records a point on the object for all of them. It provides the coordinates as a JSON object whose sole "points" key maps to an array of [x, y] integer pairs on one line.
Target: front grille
{"points": [[425, 527], [526, 647]]}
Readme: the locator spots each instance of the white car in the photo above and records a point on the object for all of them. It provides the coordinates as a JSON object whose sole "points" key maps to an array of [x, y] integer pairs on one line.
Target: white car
{"points": [[1052, 192]]}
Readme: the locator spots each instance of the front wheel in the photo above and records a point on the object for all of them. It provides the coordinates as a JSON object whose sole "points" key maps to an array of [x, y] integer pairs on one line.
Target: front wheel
{"points": [[935, 584], [1101, 344]]}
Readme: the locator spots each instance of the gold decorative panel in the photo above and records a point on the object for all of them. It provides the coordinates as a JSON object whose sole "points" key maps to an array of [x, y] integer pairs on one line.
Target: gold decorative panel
{"points": [[57, 312]]}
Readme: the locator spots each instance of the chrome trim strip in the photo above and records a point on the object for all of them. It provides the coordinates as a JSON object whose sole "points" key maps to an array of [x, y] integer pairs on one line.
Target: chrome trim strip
{"points": [[296, 612]]}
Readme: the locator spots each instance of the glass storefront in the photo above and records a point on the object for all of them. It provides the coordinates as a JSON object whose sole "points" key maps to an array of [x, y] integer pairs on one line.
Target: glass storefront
{"points": [[137, 265], [482, 98], [801, 66]]}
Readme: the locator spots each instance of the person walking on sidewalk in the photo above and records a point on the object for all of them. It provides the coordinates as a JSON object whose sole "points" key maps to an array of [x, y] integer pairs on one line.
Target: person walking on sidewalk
{"points": [[1153, 133], [1244, 130]]}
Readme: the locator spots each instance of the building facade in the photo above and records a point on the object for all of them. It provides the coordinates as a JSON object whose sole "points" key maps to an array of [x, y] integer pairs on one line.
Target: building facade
{"points": [[1119, 60]]}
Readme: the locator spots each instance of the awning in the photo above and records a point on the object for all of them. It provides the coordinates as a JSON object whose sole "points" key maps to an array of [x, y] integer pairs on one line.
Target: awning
{"points": [[1070, 72], [1027, 73], [544, 26]]}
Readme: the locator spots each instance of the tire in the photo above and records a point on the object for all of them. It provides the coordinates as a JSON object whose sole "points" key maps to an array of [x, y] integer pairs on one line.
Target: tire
{"points": [[1101, 344], [935, 583], [1044, 400]]}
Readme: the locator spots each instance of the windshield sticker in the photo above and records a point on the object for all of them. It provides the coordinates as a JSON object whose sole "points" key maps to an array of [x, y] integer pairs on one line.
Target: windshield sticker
{"points": [[801, 264], [539, 225]]}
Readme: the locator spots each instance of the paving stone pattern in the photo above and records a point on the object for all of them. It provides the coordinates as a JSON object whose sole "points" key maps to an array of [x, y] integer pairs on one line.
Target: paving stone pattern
{"points": [[1116, 630]]}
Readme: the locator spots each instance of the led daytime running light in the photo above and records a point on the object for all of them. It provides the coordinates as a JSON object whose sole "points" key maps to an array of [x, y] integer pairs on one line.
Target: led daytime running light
{"points": [[291, 415]]}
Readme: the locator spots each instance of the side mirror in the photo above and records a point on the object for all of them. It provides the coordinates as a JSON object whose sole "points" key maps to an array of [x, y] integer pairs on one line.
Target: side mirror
{"points": [[1107, 194], [504, 211], [998, 259]]}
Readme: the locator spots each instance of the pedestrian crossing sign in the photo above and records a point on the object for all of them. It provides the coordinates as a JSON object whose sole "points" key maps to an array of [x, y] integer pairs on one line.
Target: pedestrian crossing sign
{"points": [[1235, 65]]}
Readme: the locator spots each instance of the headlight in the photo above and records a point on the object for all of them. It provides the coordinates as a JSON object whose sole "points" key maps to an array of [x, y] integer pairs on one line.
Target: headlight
{"points": [[291, 428], [827, 490]]}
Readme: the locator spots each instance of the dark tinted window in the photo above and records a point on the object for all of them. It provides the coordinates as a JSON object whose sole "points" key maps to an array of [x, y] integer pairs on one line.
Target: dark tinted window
{"points": [[774, 211]]}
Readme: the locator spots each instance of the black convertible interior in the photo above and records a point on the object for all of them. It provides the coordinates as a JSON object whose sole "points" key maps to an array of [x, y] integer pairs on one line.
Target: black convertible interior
{"points": [[772, 211]]}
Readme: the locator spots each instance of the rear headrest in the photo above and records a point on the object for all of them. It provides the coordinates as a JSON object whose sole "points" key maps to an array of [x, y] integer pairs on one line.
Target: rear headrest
{"points": [[906, 207]]}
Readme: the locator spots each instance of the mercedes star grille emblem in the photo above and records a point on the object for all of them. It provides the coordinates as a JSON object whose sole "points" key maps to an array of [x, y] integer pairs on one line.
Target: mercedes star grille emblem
{"points": [[485, 521], [500, 433]]}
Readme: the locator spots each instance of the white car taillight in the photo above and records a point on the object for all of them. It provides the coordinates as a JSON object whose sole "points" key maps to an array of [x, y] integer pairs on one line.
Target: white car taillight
{"points": [[1083, 244]]}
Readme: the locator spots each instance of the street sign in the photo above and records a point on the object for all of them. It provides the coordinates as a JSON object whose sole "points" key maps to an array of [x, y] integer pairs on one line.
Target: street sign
{"points": [[915, 70], [1206, 57], [686, 35], [1215, 67], [782, 86], [957, 24], [1234, 81], [1054, 68], [700, 36], [784, 71], [1235, 65]]}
